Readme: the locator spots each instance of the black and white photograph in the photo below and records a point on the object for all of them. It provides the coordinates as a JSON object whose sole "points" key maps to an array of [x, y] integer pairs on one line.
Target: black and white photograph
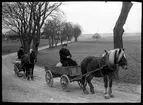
{"points": [[71, 51]]}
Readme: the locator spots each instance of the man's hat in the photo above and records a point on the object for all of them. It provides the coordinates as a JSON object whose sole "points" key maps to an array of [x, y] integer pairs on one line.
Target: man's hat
{"points": [[64, 45]]}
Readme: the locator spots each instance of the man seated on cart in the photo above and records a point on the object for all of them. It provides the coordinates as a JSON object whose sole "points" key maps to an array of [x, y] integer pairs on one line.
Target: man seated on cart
{"points": [[65, 56]]}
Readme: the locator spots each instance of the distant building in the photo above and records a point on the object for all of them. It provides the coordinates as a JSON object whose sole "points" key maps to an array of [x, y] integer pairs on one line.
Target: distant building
{"points": [[96, 36]]}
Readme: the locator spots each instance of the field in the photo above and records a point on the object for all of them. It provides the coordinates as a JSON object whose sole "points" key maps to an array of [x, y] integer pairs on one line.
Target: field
{"points": [[88, 46], [13, 46]]}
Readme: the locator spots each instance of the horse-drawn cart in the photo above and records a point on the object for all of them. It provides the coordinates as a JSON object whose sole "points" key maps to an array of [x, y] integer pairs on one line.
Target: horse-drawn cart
{"points": [[66, 74], [25, 72]]}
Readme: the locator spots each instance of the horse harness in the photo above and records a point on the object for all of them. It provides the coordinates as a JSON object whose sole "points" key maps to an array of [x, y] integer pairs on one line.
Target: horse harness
{"points": [[89, 72], [101, 67]]}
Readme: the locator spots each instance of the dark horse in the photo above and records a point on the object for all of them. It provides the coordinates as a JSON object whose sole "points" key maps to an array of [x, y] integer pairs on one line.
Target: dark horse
{"points": [[28, 61], [108, 63]]}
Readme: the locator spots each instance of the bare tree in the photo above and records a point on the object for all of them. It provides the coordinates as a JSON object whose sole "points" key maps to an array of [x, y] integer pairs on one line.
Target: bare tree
{"points": [[70, 31], [27, 19], [118, 29], [43, 10], [77, 31], [64, 31], [48, 31], [57, 30], [52, 31], [14, 17]]}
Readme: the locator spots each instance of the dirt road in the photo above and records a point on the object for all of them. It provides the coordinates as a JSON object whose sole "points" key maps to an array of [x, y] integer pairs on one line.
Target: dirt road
{"points": [[16, 89]]}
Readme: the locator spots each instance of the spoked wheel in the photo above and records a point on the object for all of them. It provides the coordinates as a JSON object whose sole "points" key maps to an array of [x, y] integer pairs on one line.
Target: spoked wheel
{"points": [[64, 82], [81, 85], [49, 78]]}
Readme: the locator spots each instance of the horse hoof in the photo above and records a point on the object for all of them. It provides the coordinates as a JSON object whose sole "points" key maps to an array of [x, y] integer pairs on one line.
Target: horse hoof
{"points": [[67, 90], [106, 96], [111, 95], [86, 92], [92, 91]]}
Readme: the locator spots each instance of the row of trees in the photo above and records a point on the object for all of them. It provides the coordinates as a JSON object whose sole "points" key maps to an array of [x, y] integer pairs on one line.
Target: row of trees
{"points": [[31, 19], [27, 20], [56, 30]]}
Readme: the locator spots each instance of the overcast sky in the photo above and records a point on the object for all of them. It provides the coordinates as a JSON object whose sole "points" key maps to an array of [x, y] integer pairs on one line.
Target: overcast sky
{"points": [[101, 17]]}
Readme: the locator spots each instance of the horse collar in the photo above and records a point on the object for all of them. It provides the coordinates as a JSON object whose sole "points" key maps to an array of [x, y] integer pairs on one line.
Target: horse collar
{"points": [[113, 68]]}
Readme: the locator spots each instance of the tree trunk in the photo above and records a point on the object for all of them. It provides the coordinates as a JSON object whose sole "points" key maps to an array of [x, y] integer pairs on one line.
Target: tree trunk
{"points": [[49, 42], [118, 29], [118, 41], [75, 39], [61, 42], [21, 40], [52, 41], [56, 42], [25, 41], [68, 38], [35, 47], [36, 42], [26, 46]]}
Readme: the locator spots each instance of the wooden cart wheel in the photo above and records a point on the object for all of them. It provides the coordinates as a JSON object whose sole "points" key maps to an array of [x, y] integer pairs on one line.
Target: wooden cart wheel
{"points": [[64, 82], [49, 78], [81, 85]]}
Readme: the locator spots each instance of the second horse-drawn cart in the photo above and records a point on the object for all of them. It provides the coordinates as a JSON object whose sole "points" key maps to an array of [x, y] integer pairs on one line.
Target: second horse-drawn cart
{"points": [[66, 74], [17, 68], [22, 72]]}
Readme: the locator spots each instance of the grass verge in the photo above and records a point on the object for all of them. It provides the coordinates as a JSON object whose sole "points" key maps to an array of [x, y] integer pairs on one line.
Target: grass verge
{"points": [[82, 49]]}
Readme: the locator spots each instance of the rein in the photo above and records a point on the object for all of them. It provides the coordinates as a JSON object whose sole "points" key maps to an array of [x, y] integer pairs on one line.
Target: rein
{"points": [[95, 70], [89, 72], [107, 63]]}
